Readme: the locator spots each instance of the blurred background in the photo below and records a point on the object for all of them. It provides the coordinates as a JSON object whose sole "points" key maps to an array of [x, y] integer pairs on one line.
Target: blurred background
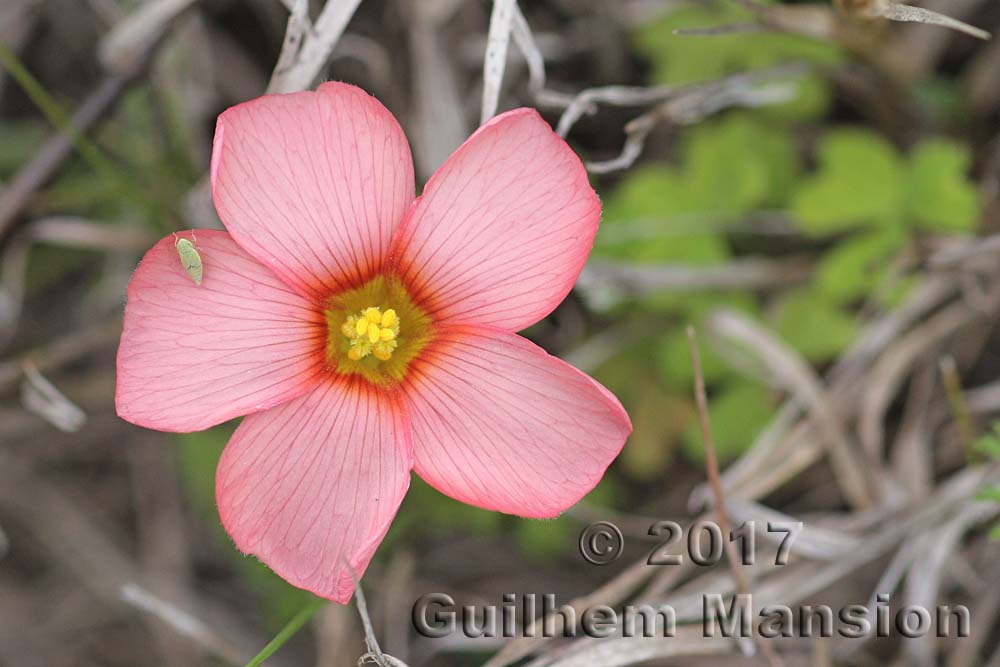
{"points": [[812, 186]]}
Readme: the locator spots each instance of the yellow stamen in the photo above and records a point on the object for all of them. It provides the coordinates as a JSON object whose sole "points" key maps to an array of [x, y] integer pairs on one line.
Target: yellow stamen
{"points": [[371, 332]]}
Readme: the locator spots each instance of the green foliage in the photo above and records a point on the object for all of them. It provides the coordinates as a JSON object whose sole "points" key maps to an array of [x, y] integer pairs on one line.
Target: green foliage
{"points": [[866, 188], [861, 205], [989, 446], [676, 214], [739, 164], [659, 418], [739, 411], [20, 141], [654, 194], [679, 214], [294, 624], [545, 539], [685, 59], [813, 326], [859, 182], [856, 266], [673, 359], [864, 182], [426, 512], [942, 99], [939, 193], [731, 165]]}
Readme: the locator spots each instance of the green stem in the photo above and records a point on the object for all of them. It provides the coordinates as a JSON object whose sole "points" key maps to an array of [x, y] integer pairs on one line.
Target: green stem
{"points": [[288, 631], [62, 121], [53, 112]]}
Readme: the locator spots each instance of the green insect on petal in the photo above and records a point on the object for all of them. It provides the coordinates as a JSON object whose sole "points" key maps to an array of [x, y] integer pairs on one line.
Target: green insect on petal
{"points": [[190, 259]]}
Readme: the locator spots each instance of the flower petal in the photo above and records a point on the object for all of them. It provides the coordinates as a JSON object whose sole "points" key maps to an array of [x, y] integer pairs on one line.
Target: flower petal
{"points": [[194, 356], [503, 228], [500, 424], [311, 486], [313, 184]]}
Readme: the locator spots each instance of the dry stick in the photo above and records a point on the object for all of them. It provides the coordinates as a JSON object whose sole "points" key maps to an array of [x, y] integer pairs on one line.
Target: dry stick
{"points": [[40, 396], [987, 608], [586, 101], [313, 52], [60, 351], [95, 560], [712, 464], [610, 593], [439, 124], [495, 59], [693, 103], [59, 230], [525, 41], [298, 26], [892, 368], [687, 642], [130, 35], [925, 577], [857, 481], [763, 468], [181, 622], [906, 13], [374, 650], [374, 653]]}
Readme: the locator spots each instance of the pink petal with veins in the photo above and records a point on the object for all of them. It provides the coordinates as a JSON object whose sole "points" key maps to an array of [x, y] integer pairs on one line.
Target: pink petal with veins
{"points": [[311, 487], [500, 424], [313, 184], [195, 356], [503, 228]]}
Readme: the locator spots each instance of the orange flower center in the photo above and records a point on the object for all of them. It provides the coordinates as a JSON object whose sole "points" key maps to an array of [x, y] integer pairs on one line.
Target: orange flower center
{"points": [[375, 331]]}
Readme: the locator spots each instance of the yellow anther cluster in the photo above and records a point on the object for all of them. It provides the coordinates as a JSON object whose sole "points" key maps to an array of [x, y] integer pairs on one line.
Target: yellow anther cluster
{"points": [[371, 332]]}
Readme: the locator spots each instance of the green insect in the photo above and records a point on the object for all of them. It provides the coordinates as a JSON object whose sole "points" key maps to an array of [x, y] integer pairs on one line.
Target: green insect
{"points": [[190, 258]]}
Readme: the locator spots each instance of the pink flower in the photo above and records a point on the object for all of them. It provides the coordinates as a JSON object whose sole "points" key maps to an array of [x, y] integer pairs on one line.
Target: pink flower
{"points": [[366, 332]]}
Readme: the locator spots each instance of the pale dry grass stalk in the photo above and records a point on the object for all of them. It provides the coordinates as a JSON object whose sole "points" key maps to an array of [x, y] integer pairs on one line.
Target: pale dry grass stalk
{"points": [[858, 477], [495, 60], [129, 38]]}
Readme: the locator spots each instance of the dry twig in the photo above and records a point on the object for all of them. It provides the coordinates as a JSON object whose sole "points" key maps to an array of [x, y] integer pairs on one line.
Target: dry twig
{"points": [[693, 103], [303, 58], [495, 61], [712, 465]]}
